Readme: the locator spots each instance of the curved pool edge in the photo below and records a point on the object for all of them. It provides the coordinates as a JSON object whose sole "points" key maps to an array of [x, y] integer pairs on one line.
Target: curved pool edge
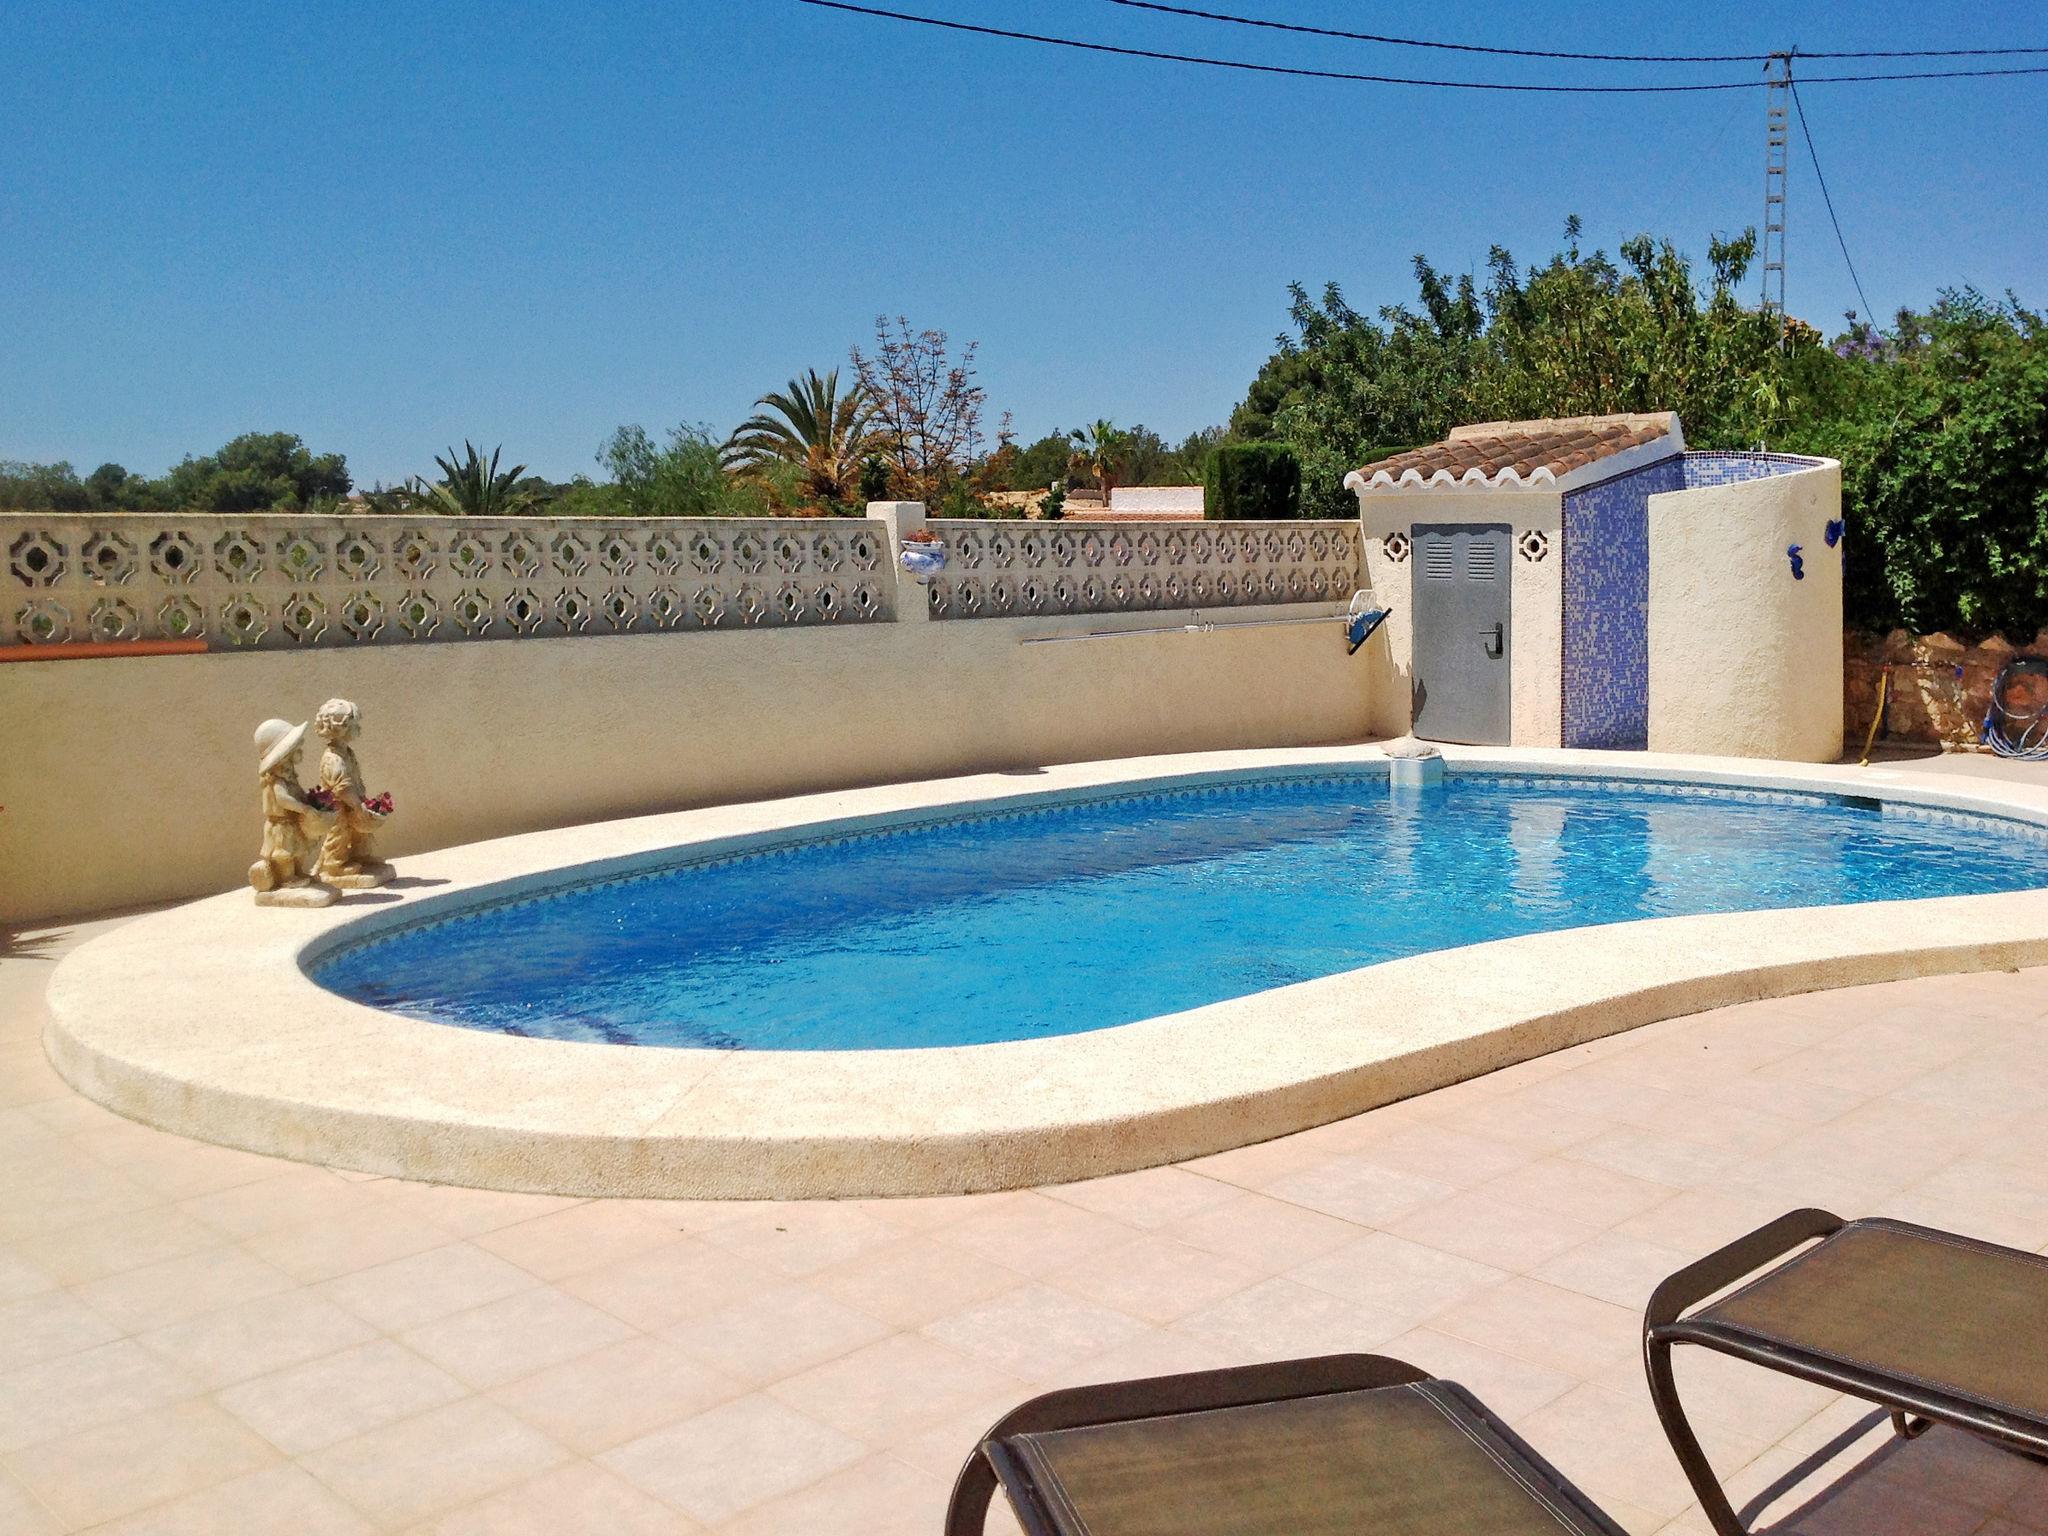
{"points": [[203, 1022]]}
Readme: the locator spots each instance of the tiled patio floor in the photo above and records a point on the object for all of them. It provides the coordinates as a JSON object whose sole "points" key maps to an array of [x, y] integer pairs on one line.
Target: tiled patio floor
{"points": [[199, 1340]]}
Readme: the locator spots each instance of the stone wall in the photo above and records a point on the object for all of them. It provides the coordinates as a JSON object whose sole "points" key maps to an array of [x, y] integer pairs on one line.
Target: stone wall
{"points": [[1940, 686]]}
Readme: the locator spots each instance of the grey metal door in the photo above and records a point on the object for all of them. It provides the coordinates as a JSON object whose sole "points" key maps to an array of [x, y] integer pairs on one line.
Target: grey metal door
{"points": [[1461, 632]]}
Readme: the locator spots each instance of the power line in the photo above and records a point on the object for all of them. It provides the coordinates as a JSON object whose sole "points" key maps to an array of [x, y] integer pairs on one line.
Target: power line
{"points": [[1814, 159], [1369, 79], [1418, 42], [1550, 53], [1272, 69]]}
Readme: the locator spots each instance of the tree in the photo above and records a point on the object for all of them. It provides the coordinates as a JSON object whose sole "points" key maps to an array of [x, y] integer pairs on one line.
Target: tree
{"points": [[812, 426], [682, 477], [1101, 450], [1942, 429], [256, 472], [1581, 334], [927, 406], [474, 486]]}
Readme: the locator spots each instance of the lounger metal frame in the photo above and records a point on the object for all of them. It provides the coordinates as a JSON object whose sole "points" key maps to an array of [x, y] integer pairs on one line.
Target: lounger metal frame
{"points": [[992, 1464], [1913, 1405]]}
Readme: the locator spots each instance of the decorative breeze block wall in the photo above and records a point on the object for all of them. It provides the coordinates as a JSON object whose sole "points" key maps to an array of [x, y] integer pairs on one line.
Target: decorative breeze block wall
{"points": [[1013, 569], [283, 580]]}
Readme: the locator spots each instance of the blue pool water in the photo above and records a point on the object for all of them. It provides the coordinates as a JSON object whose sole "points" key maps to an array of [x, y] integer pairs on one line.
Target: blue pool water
{"points": [[1077, 916]]}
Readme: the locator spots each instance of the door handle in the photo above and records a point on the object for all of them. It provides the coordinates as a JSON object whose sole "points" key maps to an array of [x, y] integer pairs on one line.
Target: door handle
{"points": [[1495, 642]]}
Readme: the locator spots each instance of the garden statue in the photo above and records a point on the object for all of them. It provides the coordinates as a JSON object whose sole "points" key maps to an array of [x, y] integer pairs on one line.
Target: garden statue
{"points": [[346, 857], [282, 873]]}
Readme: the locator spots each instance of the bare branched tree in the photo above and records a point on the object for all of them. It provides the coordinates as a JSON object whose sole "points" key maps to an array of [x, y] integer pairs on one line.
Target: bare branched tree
{"points": [[927, 405]]}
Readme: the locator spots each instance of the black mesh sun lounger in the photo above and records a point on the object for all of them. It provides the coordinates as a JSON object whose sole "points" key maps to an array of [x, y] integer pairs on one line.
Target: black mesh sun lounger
{"points": [[1934, 1327], [1341, 1445]]}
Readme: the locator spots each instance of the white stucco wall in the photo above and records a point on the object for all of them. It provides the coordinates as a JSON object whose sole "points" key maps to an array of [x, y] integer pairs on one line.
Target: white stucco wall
{"points": [[133, 780], [1535, 602], [1157, 499], [1744, 660]]}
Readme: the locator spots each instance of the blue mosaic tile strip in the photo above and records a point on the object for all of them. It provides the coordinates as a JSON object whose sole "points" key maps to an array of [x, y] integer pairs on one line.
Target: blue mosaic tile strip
{"points": [[1732, 467], [1607, 608]]}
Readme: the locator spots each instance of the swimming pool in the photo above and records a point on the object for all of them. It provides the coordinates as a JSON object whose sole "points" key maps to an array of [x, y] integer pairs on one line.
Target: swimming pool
{"points": [[1081, 914]]}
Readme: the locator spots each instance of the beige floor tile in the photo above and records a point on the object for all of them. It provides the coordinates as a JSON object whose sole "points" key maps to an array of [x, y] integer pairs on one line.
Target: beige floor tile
{"points": [[345, 1244], [502, 1341], [283, 1499], [1036, 1235], [1034, 1331], [775, 1334], [47, 1325], [1525, 1119], [1446, 1154], [894, 1386], [1151, 1197], [113, 1244], [828, 1233], [1558, 1328], [576, 1239], [1483, 1229], [305, 1407], [1354, 1188], [1510, 1386], [679, 1280], [177, 1290], [289, 1198], [1155, 1352], [471, 1212], [881, 1496], [218, 1349], [1279, 1319], [1158, 1278], [423, 1287], [1390, 1278], [1603, 1441], [617, 1393], [1271, 1235], [73, 1392], [734, 1457], [178, 1169], [22, 1513], [570, 1500], [1614, 1266], [913, 1280], [1584, 1192], [19, 1277], [115, 1469], [418, 1468]]}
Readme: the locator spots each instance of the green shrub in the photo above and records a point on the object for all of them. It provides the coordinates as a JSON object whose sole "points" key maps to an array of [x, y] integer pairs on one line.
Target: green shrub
{"points": [[1255, 481]]}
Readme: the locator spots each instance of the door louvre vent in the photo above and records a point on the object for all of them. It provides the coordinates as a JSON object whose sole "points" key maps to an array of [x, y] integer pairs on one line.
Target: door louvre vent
{"points": [[1480, 562], [1438, 561]]}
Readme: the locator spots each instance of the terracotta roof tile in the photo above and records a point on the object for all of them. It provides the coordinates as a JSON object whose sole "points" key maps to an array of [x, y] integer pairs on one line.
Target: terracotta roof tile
{"points": [[1520, 453]]}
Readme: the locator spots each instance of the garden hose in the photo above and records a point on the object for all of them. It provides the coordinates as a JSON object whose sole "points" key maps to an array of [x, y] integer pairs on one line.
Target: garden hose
{"points": [[1884, 682]]}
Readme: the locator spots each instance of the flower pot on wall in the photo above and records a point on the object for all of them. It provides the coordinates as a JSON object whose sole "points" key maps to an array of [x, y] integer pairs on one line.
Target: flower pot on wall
{"points": [[923, 559]]}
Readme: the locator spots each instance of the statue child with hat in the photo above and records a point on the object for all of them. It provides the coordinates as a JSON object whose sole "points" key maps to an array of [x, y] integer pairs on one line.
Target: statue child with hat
{"points": [[282, 873]]}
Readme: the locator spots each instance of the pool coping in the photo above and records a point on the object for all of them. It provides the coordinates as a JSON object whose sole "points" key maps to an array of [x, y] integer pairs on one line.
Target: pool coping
{"points": [[202, 1020]]}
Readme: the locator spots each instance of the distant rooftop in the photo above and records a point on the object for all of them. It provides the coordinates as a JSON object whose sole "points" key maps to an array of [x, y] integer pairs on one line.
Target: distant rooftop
{"points": [[1553, 451]]}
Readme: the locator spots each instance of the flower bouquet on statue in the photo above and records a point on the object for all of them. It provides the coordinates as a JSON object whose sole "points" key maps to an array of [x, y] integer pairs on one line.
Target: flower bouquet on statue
{"points": [[379, 805], [320, 797]]}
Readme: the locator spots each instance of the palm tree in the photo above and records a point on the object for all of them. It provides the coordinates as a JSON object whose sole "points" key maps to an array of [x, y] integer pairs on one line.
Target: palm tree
{"points": [[825, 434], [1101, 450], [473, 487]]}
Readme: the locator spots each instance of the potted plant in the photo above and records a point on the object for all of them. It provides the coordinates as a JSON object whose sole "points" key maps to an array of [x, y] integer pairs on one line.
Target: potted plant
{"points": [[923, 556]]}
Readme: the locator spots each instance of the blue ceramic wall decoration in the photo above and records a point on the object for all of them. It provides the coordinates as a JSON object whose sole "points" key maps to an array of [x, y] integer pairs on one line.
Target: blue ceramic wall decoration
{"points": [[1798, 565], [1834, 534]]}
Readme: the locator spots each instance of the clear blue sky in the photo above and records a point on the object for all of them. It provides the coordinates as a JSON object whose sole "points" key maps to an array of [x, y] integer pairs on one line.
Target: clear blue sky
{"points": [[387, 227]]}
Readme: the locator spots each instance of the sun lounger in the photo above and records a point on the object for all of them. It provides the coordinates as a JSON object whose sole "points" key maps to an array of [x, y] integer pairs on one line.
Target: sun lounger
{"points": [[1934, 1327], [1340, 1445]]}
